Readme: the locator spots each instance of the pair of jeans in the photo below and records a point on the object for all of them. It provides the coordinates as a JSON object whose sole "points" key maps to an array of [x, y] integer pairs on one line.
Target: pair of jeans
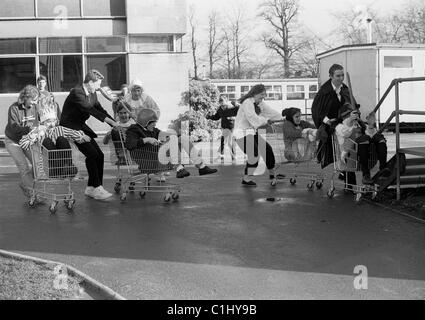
{"points": [[254, 147], [21, 158], [94, 162]]}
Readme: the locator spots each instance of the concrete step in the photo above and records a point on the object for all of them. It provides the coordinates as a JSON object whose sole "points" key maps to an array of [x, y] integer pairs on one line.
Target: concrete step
{"points": [[415, 162], [416, 151]]}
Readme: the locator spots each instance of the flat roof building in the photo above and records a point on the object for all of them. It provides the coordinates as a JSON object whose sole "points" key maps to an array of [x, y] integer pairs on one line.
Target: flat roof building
{"points": [[123, 39]]}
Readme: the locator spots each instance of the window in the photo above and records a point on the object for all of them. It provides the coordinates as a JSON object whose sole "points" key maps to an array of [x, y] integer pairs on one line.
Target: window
{"points": [[113, 67], [104, 8], [398, 62], [312, 91], [151, 44], [274, 92], [106, 44], [221, 89], [55, 8], [16, 73], [60, 45], [17, 46], [62, 72], [231, 89], [17, 9], [245, 89], [295, 92]]}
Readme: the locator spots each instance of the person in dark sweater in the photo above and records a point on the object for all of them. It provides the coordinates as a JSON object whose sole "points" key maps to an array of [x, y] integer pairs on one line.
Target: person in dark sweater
{"points": [[227, 113], [80, 104], [22, 118], [144, 134], [299, 136]]}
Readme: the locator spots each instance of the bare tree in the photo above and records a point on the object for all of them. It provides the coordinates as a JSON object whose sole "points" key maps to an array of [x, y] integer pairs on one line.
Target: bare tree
{"points": [[193, 40], [214, 40], [414, 22]]}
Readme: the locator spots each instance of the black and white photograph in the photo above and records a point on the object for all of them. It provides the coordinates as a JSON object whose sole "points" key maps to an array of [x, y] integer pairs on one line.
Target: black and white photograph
{"points": [[212, 156]]}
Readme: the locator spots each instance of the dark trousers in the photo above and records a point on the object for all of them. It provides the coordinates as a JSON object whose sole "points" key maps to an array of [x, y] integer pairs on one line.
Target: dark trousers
{"points": [[364, 150], [222, 145], [94, 162], [59, 156], [254, 146]]}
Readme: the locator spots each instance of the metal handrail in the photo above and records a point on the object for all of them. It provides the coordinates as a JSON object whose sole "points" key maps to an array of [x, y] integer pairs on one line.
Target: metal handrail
{"points": [[396, 114]]}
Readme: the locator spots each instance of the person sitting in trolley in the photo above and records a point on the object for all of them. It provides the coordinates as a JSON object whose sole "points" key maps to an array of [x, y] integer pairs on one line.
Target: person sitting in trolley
{"points": [[351, 132], [119, 133], [54, 137], [299, 136], [145, 134]]}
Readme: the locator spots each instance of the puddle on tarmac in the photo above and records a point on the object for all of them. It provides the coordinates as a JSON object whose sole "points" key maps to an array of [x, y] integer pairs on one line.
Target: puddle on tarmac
{"points": [[277, 200]]}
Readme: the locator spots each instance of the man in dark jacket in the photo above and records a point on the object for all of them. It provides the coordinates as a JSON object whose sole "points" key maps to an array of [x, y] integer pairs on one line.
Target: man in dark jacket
{"points": [[227, 114], [325, 111], [80, 104]]}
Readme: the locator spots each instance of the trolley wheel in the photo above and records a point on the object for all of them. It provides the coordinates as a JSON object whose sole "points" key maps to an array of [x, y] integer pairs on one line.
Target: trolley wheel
{"points": [[175, 195], [310, 186], [117, 187], [53, 207], [70, 205], [142, 194], [358, 197], [273, 183], [319, 185], [374, 195], [331, 193], [31, 202], [123, 197], [167, 197], [293, 181]]}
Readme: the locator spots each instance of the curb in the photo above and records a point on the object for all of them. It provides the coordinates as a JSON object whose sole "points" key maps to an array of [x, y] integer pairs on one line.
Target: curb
{"points": [[104, 291]]}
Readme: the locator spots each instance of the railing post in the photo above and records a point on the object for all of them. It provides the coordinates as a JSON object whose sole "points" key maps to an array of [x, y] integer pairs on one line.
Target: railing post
{"points": [[397, 137]]}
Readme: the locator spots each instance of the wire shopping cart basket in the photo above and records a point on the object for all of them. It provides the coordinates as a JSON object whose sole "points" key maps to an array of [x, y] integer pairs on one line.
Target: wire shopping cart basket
{"points": [[351, 164], [54, 171], [301, 164], [140, 171]]}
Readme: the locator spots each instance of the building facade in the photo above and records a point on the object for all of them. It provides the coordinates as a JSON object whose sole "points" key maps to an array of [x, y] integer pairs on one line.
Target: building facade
{"points": [[123, 39]]}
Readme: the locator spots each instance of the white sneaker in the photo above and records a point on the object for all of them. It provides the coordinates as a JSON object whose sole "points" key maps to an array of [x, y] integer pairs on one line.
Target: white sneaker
{"points": [[100, 193], [89, 192]]}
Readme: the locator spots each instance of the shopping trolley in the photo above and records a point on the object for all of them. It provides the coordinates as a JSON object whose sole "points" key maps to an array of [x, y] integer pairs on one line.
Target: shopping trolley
{"points": [[351, 164], [138, 169], [305, 167], [53, 174]]}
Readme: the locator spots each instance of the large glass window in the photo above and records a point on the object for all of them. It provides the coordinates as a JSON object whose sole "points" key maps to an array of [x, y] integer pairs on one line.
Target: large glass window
{"points": [[104, 8], [62, 72], [60, 45], [151, 44], [113, 67], [106, 44], [17, 8], [16, 73], [295, 92], [55, 8], [17, 46], [398, 62]]}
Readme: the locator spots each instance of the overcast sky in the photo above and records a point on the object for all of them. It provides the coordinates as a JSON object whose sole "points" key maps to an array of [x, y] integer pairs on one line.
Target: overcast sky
{"points": [[315, 14]]}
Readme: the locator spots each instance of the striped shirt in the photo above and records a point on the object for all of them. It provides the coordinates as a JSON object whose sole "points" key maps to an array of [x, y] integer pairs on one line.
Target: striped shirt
{"points": [[40, 133]]}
